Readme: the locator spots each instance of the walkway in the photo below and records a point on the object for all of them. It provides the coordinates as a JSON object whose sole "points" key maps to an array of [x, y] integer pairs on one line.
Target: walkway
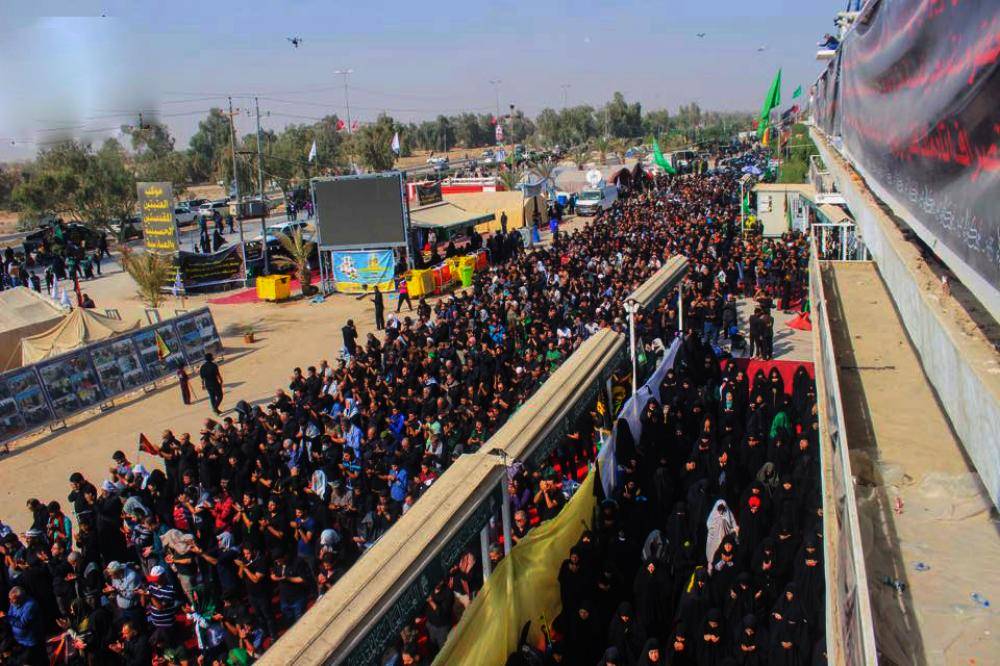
{"points": [[919, 499]]}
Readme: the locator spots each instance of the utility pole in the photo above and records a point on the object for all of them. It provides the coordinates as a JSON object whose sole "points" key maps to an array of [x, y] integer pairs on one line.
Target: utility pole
{"points": [[347, 97], [236, 184], [496, 87], [260, 185]]}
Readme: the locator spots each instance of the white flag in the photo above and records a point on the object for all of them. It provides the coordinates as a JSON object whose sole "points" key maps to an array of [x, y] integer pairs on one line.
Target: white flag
{"points": [[395, 143], [312, 151]]}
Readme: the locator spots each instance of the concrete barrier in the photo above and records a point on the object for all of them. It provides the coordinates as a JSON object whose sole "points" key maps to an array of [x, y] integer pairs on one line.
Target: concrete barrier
{"points": [[961, 364]]}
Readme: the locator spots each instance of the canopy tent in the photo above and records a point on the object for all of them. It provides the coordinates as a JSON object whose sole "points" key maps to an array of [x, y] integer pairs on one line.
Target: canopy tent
{"points": [[24, 312], [519, 209], [81, 327], [446, 215]]}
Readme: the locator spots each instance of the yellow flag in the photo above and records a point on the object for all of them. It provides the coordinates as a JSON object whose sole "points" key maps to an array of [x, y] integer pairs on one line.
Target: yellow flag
{"points": [[162, 350]]}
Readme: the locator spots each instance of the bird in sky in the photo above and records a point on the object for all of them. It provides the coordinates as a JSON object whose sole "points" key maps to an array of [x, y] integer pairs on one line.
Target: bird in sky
{"points": [[699, 34], [761, 48], [295, 41]]}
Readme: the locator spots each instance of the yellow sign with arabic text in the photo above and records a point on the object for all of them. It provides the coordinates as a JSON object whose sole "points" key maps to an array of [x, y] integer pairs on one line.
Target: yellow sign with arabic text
{"points": [[156, 208]]}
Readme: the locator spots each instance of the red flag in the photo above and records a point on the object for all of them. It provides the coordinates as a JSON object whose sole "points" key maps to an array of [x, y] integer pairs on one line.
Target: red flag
{"points": [[341, 125], [493, 120], [145, 446], [354, 126]]}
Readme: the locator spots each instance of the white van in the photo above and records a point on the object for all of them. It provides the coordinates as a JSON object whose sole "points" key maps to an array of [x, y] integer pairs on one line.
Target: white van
{"points": [[593, 200]]}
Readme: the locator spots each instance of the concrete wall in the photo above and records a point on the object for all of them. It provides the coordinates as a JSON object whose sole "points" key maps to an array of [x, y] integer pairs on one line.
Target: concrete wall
{"points": [[959, 362]]}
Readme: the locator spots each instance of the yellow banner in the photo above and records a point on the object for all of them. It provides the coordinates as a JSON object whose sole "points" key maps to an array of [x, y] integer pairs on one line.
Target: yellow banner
{"points": [[523, 587]]}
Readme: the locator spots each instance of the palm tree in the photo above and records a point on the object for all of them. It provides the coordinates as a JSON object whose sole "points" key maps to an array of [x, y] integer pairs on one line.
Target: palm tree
{"points": [[299, 251], [602, 145], [151, 272], [546, 170], [511, 177], [580, 154], [618, 147]]}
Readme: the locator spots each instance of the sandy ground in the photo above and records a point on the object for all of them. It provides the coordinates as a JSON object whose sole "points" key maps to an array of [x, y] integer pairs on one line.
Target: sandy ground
{"points": [[288, 334], [902, 446]]}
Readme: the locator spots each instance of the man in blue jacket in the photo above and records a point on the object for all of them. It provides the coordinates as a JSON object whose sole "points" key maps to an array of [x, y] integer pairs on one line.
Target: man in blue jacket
{"points": [[23, 617]]}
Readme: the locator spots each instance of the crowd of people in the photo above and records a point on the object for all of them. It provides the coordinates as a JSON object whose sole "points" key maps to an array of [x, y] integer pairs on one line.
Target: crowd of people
{"points": [[212, 552]]}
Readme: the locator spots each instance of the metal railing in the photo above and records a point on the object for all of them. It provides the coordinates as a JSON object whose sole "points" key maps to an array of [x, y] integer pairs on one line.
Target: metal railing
{"points": [[850, 634]]}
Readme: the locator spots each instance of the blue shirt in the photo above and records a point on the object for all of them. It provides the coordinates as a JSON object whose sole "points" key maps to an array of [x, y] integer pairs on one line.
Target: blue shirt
{"points": [[23, 619], [397, 491], [354, 440]]}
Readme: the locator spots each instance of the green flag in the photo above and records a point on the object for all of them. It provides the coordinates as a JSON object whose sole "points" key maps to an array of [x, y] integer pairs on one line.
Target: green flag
{"points": [[660, 160], [797, 93], [772, 101], [746, 204]]}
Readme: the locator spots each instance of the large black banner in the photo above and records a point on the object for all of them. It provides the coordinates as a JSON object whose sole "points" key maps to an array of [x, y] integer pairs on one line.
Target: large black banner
{"points": [[429, 193], [203, 270], [915, 94]]}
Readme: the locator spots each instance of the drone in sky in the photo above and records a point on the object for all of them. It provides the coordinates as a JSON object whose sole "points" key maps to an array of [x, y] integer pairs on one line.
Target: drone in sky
{"points": [[295, 41], [699, 34]]}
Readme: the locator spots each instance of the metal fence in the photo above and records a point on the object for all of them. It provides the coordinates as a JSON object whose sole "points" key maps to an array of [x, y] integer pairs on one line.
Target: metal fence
{"points": [[850, 635], [50, 391]]}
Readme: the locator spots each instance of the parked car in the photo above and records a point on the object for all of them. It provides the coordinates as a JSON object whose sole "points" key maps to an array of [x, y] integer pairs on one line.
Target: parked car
{"points": [[438, 160], [183, 216], [73, 233], [209, 207]]}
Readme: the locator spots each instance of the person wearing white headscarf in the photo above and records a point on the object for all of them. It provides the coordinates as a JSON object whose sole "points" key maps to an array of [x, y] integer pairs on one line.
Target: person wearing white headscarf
{"points": [[720, 523]]}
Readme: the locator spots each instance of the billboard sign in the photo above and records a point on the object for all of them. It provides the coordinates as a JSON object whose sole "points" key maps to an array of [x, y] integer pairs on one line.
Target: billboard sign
{"points": [[156, 208], [359, 212]]}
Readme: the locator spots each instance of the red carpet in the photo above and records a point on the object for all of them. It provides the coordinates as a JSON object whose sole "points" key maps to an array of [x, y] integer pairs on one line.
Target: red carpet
{"points": [[250, 295]]}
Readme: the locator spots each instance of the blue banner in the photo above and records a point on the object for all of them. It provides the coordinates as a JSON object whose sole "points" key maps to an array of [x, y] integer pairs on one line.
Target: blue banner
{"points": [[358, 271]]}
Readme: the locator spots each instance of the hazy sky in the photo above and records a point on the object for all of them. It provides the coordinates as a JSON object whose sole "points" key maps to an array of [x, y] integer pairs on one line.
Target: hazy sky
{"points": [[68, 71]]}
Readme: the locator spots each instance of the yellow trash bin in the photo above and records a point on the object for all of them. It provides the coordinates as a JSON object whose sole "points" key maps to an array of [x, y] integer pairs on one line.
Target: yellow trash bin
{"points": [[274, 287]]}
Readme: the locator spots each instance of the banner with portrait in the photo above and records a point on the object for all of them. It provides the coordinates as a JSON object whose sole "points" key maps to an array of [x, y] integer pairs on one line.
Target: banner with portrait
{"points": [[429, 193], [358, 271]]}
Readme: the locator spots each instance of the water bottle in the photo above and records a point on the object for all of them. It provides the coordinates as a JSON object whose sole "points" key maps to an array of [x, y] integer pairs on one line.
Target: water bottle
{"points": [[980, 600]]}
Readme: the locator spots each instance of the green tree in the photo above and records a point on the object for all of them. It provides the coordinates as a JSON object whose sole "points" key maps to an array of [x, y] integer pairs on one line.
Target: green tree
{"points": [[210, 146], [545, 170], [511, 177], [373, 144], [602, 145], [10, 178], [151, 272], [73, 181], [299, 251], [622, 119]]}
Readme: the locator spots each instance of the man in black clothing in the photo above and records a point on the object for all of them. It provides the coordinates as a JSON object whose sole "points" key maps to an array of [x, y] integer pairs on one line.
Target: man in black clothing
{"points": [[211, 381], [503, 222], [350, 338]]}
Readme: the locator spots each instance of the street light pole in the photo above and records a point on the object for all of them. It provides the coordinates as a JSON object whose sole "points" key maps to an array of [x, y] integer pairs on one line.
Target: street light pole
{"points": [[236, 183], [565, 87], [260, 185], [496, 87]]}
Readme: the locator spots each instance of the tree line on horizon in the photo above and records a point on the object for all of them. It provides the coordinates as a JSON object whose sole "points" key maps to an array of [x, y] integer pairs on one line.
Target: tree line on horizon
{"points": [[75, 179]]}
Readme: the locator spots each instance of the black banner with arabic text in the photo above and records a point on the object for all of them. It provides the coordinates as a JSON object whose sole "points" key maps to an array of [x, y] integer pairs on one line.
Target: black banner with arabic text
{"points": [[203, 270], [915, 94], [428, 193]]}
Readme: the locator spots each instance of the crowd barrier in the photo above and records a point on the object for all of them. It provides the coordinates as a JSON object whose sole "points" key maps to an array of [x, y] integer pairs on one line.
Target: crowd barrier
{"points": [[850, 635], [50, 391]]}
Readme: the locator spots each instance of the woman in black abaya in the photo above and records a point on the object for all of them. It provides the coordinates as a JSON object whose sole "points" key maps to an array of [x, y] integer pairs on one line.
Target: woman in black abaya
{"points": [[584, 640], [712, 643], [809, 579], [682, 647], [751, 643], [624, 634], [651, 654], [652, 591]]}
